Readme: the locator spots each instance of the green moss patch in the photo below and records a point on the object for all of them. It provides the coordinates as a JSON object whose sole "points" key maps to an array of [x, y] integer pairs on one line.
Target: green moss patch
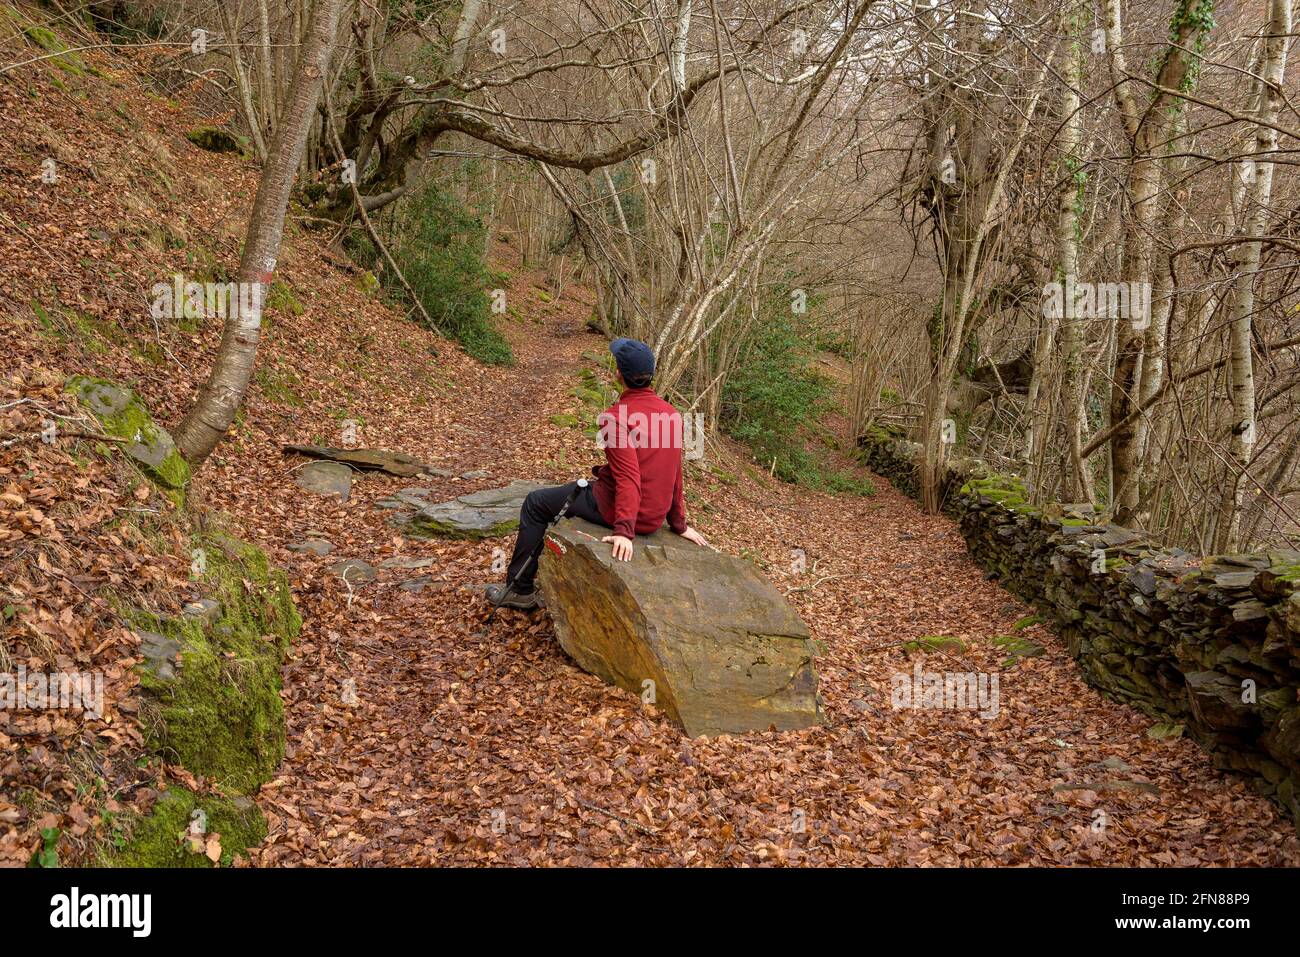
{"points": [[50, 43], [282, 299], [592, 396], [177, 831], [215, 140], [1017, 647], [281, 385], [203, 266], [1007, 490], [367, 282], [122, 415], [220, 713], [70, 325], [883, 434], [930, 643]]}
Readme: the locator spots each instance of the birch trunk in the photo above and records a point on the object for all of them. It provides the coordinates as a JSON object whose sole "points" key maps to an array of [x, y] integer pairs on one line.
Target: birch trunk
{"points": [[1148, 129], [1253, 223], [220, 398], [243, 87], [1077, 482]]}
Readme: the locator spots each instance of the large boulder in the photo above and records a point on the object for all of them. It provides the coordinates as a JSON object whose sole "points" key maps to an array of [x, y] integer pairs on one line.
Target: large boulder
{"points": [[725, 652]]}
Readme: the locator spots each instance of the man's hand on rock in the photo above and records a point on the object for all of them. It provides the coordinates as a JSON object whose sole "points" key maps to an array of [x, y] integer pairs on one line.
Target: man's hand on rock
{"points": [[622, 549], [691, 535]]}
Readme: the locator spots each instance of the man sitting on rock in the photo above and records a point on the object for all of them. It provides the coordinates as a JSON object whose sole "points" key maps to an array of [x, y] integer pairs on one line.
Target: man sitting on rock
{"points": [[638, 487]]}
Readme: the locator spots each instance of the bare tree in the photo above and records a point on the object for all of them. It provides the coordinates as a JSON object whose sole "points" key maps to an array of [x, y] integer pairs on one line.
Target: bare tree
{"points": [[220, 398]]}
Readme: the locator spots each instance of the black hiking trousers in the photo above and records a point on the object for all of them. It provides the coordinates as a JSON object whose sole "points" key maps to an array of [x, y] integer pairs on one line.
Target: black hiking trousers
{"points": [[538, 509]]}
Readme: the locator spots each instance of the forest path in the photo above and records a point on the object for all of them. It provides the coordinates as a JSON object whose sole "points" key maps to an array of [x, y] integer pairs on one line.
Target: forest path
{"points": [[474, 746], [467, 746]]}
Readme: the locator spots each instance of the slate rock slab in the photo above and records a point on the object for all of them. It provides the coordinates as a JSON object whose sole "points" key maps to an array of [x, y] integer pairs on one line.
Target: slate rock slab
{"points": [[365, 460], [326, 478], [406, 498], [486, 514], [159, 654], [313, 546], [408, 562], [354, 571], [205, 610], [1215, 701], [725, 651]]}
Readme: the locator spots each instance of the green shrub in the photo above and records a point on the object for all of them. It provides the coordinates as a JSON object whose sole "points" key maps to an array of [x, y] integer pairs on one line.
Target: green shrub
{"points": [[438, 245], [775, 396]]}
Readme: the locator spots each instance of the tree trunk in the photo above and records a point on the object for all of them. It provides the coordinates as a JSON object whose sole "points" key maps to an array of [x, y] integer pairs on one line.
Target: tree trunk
{"points": [[1076, 482], [266, 72], [244, 87], [1147, 127], [220, 398], [1253, 223]]}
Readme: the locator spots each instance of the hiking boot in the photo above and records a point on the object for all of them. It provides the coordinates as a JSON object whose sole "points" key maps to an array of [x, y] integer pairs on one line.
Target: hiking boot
{"points": [[528, 601]]}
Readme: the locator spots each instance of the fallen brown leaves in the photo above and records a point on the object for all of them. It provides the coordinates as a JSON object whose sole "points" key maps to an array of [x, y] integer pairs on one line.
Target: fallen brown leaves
{"points": [[467, 746]]}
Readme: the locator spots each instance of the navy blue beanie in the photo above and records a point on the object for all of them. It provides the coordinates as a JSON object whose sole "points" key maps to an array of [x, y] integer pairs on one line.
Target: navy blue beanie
{"points": [[635, 360]]}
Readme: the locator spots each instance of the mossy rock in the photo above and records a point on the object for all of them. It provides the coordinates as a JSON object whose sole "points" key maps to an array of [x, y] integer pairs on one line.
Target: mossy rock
{"points": [[1006, 490], [884, 434], [214, 140], [220, 714], [1164, 730], [122, 415], [247, 584], [566, 420], [162, 838], [592, 396], [367, 282], [487, 514], [929, 643], [1017, 647]]}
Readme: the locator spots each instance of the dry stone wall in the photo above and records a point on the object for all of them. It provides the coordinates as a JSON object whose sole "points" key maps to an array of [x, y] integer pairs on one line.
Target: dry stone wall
{"points": [[1207, 646]]}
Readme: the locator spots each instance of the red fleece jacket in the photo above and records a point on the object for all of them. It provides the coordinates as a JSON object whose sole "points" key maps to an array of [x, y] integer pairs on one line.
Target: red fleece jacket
{"points": [[641, 483]]}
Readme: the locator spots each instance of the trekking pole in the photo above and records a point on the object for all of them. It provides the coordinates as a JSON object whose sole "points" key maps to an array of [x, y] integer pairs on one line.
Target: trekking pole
{"points": [[537, 552]]}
